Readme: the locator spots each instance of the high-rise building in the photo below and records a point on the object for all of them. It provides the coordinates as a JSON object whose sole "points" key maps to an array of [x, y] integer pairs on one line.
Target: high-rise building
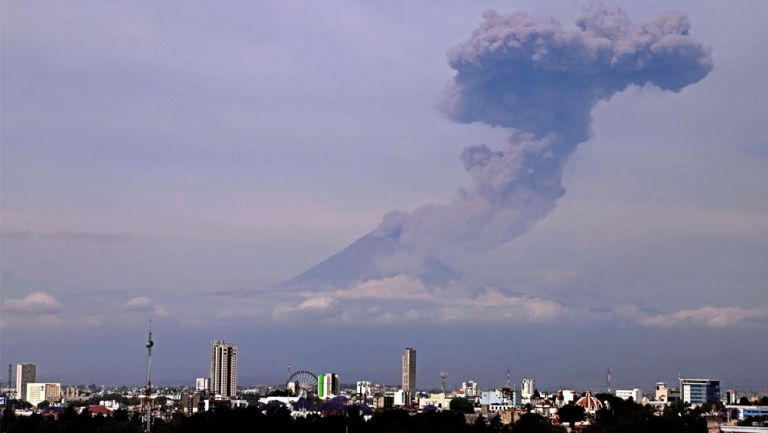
{"points": [[527, 389], [223, 377], [328, 385], [409, 372], [39, 392], [202, 384], [698, 391], [25, 373]]}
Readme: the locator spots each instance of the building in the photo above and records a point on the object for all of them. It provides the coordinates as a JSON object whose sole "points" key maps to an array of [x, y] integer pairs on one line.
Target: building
{"points": [[496, 401], [25, 373], [401, 398], [527, 389], [469, 388], [439, 400], [38, 392], [223, 377], [730, 397], [626, 394], [590, 403], [666, 394], [409, 372], [328, 385], [743, 412], [363, 388], [202, 384], [699, 391]]}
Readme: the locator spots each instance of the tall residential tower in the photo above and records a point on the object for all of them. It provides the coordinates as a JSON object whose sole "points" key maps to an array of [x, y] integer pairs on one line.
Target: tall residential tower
{"points": [[409, 373], [223, 378], [25, 373]]}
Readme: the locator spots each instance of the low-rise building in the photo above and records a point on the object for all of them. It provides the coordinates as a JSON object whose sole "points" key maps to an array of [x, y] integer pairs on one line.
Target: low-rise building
{"points": [[39, 392], [625, 394]]}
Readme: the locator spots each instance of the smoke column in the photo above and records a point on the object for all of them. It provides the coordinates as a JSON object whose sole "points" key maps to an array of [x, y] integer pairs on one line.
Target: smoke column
{"points": [[541, 81]]}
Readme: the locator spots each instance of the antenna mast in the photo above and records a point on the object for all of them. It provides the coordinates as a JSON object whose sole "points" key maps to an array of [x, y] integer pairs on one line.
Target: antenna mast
{"points": [[608, 380], [507, 386], [148, 396]]}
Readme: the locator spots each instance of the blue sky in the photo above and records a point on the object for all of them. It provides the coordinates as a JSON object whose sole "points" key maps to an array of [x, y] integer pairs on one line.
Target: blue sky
{"points": [[178, 161]]}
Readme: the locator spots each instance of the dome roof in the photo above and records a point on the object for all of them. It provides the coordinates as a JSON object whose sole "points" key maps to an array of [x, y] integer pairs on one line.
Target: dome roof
{"points": [[589, 403]]}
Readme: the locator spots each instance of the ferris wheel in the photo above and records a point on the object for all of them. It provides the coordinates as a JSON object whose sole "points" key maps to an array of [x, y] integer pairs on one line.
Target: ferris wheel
{"points": [[301, 382]]}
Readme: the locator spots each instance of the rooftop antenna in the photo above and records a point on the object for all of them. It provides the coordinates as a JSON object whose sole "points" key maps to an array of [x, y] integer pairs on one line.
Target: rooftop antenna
{"points": [[443, 376], [507, 386], [148, 396], [608, 380], [10, 366]]}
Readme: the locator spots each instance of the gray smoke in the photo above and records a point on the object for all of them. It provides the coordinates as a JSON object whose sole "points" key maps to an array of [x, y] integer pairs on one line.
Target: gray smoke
{"points": [[541, 81]]}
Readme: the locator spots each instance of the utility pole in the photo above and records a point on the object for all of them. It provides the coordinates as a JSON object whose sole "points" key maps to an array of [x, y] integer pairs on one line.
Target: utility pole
{"points": [[148, 396]]}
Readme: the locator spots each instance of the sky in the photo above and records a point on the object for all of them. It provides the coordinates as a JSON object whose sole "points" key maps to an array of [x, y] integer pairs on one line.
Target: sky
{"points": [[178, 162]]}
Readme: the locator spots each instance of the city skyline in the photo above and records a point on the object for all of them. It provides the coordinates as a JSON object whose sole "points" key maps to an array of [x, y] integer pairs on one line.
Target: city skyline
{"points": [[326, 185]]}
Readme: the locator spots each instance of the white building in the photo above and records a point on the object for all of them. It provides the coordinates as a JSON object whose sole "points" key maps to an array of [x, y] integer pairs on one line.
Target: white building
{"points": [[363, 388], [202, 384], [39, 392], [25, 373], [401, 398], [626, 394], [497, 400], [470, 389], [527, 389], [439, 400]]}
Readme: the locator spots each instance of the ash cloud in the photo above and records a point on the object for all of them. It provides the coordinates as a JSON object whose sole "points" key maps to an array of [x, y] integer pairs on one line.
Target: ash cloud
{"points": [[541, 80]]}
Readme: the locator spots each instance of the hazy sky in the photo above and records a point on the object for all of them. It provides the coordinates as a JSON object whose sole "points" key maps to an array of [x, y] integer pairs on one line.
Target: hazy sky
{"points": [[175, 161]]}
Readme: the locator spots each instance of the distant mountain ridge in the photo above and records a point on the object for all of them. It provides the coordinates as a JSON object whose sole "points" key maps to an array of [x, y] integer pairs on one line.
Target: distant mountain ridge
{"points": [[363, 260]]}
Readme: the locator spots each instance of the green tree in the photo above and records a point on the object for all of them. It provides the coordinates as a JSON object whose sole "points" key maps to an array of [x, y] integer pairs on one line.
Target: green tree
{"points": [[461, 404], [571, 413]]}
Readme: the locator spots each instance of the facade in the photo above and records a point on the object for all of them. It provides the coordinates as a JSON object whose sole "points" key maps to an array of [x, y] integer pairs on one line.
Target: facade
{"points": [[39, 392], [328, 385], [626, 394], [409, 372], [25, 373], [223, 376], [699, 391]]}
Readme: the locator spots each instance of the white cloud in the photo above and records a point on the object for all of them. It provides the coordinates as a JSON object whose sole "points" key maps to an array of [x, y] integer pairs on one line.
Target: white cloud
{"points": [[37, 302], [145, 304], [708, 315], [417, 302]]}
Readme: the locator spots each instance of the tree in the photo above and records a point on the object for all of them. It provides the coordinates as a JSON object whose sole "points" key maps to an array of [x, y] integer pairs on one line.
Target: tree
{"points": [[571, 413], [43, 404], [744, 401], [462, 405], [534, 423]]}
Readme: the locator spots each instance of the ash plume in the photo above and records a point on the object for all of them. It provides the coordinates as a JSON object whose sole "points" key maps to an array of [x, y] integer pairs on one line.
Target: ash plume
{"points": [[540, 80]]}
